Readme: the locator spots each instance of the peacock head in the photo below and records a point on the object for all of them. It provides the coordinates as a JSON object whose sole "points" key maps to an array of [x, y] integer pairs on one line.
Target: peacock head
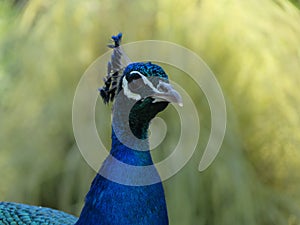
{"points": [[143, 91], [148, 86]]}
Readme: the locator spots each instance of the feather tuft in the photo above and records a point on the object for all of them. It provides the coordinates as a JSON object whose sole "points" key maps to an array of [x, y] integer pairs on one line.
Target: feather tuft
{"points": [[115, 66]]}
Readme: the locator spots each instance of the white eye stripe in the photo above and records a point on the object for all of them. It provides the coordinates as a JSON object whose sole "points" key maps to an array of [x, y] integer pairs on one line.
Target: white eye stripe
{"points": [[129, 93], [146, 81]]}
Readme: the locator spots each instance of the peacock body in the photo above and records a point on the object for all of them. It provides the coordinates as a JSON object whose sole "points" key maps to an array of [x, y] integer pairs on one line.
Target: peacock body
{"points": [[139, 91]]}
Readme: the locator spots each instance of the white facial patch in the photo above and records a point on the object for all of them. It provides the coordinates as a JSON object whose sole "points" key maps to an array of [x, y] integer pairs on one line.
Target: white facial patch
{"points": [[146, 81], [163, 92], [127, 92]]}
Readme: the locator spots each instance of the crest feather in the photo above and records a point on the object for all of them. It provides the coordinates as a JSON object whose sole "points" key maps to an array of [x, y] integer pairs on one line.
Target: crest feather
{"points": [[115, 67]]}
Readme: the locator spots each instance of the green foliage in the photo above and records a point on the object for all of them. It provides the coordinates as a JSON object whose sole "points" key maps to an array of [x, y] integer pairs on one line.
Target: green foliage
{"points": [[252, 46]]}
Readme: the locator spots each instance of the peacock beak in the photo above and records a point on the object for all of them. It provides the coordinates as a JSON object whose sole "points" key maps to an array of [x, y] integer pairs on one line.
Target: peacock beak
{"points": [[165, 92]]}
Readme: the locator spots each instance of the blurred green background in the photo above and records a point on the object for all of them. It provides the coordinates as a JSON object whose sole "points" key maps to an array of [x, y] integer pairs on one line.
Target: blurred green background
{"points": [[253, 47]]}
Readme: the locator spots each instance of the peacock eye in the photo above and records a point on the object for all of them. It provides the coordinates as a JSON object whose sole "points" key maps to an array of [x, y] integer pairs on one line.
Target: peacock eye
{"points": [[136, 84]]}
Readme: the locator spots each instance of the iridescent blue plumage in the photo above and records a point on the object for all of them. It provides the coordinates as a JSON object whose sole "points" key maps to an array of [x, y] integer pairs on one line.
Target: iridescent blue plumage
{"points": [[148, 69], [15, 213], [111, 203]]}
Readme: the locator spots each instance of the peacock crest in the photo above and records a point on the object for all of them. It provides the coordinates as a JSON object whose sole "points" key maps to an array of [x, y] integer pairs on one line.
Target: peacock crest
{"points": [[115, 67]]}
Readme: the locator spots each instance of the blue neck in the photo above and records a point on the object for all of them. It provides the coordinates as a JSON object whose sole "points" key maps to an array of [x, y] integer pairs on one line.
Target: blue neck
{"points": [[126, 153], [112, 203]]}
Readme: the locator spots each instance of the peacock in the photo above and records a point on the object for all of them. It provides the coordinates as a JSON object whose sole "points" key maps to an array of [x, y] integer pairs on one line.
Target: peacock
{"points": [[123, 192]]}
